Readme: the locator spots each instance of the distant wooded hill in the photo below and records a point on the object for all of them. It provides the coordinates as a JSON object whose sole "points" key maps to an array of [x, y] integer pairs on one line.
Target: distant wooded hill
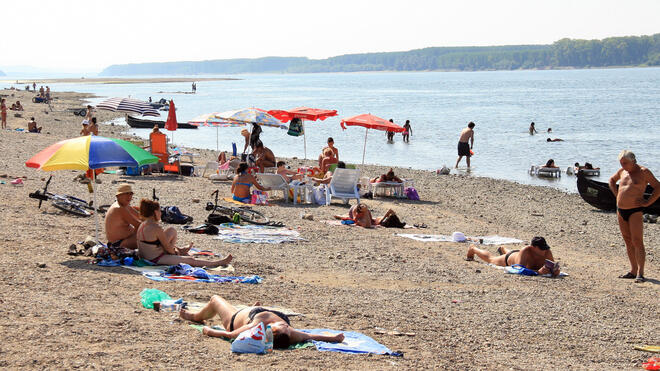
{"points": [[565, 53]]}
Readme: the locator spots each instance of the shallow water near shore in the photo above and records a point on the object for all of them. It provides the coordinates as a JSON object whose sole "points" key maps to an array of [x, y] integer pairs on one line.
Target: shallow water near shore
{"points": [[596, 112]]}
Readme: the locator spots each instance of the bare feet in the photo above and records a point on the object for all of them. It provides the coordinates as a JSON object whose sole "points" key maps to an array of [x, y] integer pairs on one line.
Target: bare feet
{"points": [[256, 304], [224, 261], [189, 316], [470, 253]]}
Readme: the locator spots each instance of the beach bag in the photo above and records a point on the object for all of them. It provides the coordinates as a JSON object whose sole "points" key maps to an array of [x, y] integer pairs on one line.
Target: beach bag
{"points": [[319, 195], [259, 198], [295, 128], [172, 215], [392, 221], [217, 219], [251, 341], [411, 193], [204, 229]]}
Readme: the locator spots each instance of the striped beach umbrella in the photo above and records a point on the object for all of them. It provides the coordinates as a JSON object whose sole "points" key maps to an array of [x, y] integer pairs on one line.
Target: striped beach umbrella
{"points": [[128, 105]]}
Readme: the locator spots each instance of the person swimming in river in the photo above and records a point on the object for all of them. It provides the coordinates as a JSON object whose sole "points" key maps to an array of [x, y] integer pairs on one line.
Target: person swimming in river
{"points": [[554, 140], [240, 186]]}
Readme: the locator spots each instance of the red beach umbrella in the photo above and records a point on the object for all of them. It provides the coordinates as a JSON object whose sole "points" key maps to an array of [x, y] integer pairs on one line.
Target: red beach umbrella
{"points": [[303, 113], [370, 121], [171, 123]]}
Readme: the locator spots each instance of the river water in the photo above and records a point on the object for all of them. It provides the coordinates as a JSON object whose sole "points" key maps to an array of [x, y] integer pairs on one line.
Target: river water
{"points": [[596, 112]]}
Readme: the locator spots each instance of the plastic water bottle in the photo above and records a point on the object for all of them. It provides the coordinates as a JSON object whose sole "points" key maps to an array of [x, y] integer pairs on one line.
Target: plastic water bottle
{"points": [[269, 339], [169, 306], [237, 218]]}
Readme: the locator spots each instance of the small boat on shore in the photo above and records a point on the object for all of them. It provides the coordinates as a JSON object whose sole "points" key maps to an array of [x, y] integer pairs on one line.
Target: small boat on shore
{"points": [[149, 124], [599, 195]]}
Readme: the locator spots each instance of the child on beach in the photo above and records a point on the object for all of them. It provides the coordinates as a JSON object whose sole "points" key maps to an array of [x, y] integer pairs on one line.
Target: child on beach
{"points": [[287, 174]]}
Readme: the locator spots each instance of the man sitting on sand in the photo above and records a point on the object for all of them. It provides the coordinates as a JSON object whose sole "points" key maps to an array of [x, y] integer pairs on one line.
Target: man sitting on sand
{"points": [[122, 220], [531, 257], [32, 126], [264, 157], [287, 174], [236, 321]]}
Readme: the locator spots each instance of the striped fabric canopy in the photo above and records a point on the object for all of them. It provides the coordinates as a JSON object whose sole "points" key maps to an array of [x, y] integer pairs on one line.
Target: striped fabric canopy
{"points": [[128, 105]]}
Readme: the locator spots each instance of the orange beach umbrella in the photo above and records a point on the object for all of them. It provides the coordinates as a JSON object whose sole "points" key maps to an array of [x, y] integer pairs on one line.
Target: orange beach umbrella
{"points": [[370, 121]]}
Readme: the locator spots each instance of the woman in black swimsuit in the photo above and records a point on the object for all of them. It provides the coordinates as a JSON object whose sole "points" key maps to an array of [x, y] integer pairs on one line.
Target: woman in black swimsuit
{"points": [[239, 320], [158, 245]]}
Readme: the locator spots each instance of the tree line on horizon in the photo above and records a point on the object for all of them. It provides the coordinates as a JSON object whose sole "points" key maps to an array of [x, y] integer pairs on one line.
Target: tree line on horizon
{"points": [[564, 53]]}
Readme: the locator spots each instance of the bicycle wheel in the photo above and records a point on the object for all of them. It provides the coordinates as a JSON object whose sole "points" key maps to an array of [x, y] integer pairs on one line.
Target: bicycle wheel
{"points": [[71, 207], [252, 216], [223, 210]]}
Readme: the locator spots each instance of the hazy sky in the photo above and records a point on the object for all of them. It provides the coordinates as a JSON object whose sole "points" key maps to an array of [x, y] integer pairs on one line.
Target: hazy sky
{"points": [[89, 35]]}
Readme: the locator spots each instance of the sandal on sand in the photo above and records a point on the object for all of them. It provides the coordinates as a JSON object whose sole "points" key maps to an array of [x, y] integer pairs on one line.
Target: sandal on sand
{"points": [[640, 279], [628, 276]]}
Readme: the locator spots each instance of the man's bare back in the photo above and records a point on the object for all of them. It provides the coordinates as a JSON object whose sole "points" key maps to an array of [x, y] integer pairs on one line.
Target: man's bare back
{"points": [[121, 223]]}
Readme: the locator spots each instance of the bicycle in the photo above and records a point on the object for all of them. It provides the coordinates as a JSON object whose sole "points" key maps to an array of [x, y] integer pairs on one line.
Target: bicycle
{"points": [[246, 214], [66, 203]]}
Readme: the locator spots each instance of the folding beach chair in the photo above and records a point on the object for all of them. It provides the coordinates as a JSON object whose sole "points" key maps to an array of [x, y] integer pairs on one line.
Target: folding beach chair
{"points": [[274, 182], [343, 185]]}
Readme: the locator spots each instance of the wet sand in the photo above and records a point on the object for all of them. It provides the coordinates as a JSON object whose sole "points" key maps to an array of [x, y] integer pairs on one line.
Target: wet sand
{"points": [[60, 312]]}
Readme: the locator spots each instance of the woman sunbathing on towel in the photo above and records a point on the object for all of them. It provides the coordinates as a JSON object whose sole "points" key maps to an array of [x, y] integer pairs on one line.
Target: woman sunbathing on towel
{"points": [[537, 257], [239, 320], [387, 177], [158, 245], [361, 216]]}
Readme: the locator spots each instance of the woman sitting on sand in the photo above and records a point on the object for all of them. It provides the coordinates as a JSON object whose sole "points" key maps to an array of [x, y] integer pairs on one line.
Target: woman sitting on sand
{"points": [[361, 216], [387, 177], [236, 321], [158, 245], [240, 187]]}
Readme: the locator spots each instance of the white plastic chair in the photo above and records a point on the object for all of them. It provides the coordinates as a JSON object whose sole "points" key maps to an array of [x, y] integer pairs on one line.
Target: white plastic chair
{"points": [[343, 185], [274, 182], [212, 166]]}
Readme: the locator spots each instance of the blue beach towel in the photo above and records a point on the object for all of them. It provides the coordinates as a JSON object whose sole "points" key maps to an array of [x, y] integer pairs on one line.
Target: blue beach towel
{"points": [[212, 278], [521, 270], [354, 342]]}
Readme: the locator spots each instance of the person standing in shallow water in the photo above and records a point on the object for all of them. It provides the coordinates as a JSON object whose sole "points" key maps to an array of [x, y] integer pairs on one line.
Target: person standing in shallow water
{"points": [[463, 146], [532, 129], [408, 132], [630, 205]]}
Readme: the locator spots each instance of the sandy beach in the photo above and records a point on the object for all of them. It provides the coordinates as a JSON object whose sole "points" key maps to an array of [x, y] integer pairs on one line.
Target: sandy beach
{"points": [[60, 312]]}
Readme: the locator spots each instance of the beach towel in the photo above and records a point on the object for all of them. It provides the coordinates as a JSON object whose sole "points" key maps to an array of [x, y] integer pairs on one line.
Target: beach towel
{"points": [[303, 345], [348, 223], [231, 200], [212, 278], [354, 342], [235, 233], [516, 270], [487, 240]]}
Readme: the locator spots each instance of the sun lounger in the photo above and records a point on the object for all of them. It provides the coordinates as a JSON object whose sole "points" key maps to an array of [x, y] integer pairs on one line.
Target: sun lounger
{"points": [[343, 185], [274, 182]]}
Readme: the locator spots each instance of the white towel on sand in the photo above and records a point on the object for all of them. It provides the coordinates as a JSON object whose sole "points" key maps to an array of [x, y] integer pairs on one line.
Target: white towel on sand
{"points": [[487, 240]]}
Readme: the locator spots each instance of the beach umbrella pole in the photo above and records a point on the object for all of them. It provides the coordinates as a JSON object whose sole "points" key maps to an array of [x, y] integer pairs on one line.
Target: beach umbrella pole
{"points": [[364, 149], [217, 146], [304, 138], [95, 205]]}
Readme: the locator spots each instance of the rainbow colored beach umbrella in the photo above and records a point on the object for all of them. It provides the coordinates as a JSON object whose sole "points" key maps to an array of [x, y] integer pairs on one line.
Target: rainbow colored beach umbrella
{"points": [[90, 152]]}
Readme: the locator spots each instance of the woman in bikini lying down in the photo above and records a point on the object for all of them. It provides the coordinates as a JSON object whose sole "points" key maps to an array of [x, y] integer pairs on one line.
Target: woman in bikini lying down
{"points": [[362, 217], [532, 257], [236, 321], [158, 245]]}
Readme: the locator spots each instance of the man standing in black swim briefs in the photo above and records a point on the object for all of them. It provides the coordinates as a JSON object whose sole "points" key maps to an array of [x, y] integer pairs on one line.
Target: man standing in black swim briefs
{"points": [[463, 146], [630, 205]]}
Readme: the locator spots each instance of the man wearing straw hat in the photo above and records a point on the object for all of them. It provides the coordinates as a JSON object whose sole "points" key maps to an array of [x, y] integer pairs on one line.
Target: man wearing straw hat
{"points": [[122, 220]]}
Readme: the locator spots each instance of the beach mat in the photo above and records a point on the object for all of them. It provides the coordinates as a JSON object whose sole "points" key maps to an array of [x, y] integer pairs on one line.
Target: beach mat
{"points": [[161, 268], [235, 233], [213, 278], [487, 240], [510, 270], [354, 342], [339, 223]]}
